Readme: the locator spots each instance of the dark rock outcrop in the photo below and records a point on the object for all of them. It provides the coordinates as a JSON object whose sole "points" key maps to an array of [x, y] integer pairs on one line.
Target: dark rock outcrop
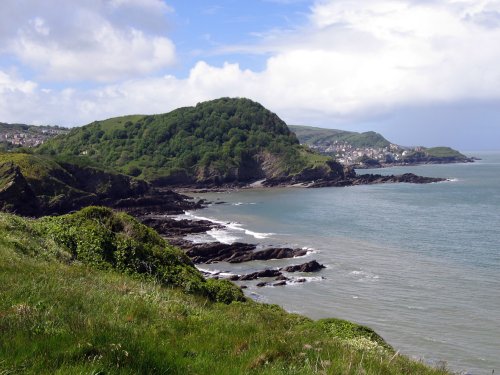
{"points": [[172, 227], [312, 266], [212, 252], [267, 254], [371, 179], [157, 202], [257, 275], [16, 195], [33, 185]]}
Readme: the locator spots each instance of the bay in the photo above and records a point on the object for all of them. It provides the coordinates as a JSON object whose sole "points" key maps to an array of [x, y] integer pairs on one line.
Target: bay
{"points": [[418, 263]]}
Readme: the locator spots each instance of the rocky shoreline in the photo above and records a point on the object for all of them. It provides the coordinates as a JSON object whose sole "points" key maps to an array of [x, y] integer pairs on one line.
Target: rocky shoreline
{"points": [[175, 230], [155, 205], [430, 161], [158, 210], [350, 178]]}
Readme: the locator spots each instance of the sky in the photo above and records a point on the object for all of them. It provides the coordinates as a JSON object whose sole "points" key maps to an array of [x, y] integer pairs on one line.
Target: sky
{"points": [[421, 72]]}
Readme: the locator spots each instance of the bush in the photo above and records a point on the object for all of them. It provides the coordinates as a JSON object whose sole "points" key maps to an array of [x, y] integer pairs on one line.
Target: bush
{"points": [[224, 291], [107, 240]]}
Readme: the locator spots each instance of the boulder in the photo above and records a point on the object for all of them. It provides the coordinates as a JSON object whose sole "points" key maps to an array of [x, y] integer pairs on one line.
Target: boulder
{"points": [[312, 266]]}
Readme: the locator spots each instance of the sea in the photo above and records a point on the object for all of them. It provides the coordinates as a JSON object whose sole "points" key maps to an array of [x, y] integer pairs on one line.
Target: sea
{"points": [[420, 264]]}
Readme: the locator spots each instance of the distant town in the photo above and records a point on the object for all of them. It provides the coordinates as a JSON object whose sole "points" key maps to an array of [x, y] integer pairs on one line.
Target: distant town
{"points": [[20, 135], [348, 154]]}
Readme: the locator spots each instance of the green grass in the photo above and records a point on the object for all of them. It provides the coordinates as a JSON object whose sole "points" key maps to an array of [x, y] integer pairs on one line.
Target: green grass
{"points": [[321, 136], [34, 167], [117, 123], [444, 152], [59, 315]]}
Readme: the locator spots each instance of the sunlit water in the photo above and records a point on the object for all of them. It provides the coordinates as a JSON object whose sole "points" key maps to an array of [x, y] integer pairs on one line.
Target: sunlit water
{"points": [[418, 263]]}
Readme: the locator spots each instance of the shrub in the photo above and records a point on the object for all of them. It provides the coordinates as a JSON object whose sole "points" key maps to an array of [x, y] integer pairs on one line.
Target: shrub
{"points": [[107, 240], [224, 291]]}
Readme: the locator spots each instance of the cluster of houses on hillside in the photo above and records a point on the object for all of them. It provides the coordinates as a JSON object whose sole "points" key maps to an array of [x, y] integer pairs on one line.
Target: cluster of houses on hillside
{"points": [[348, 154], [28, 136]]}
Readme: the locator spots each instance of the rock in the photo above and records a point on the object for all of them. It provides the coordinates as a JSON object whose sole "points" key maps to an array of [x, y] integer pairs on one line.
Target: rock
{"points": [[16, 195], [170, 227], [267, 254], [259, 274], [312, 266], [237, 252], [212, 252], [282, 277], [281, 283], [370, 179], [156, 201], [301, 280], [260, 285]]}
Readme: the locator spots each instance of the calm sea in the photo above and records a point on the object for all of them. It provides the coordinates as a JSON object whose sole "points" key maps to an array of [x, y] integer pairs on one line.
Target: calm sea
{"points": [[418, 263]]}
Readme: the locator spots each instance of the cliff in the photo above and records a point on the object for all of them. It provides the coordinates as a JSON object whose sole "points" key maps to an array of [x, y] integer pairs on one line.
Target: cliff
{"points": [[33, 185]]}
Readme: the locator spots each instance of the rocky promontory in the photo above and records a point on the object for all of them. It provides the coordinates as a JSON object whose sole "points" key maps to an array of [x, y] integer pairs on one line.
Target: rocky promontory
{"points": [[372, 179]]}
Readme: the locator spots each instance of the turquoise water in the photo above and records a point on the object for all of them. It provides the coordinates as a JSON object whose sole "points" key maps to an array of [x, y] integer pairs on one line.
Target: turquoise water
{"points": [[418, 263]]}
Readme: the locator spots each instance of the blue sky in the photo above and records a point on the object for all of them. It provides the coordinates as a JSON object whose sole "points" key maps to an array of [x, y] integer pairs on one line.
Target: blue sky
{"points": [[419, 72]]}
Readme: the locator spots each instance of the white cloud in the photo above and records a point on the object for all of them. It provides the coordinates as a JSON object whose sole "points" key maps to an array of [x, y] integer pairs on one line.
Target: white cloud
{"points": [[360, 58], [354, 60], [10, 84], [87, 40]]}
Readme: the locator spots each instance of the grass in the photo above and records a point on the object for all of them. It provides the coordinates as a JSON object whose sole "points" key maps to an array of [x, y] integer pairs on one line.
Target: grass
{"points": [[34, 167], [62, 316], [321, 136], [444, 152], [117, 123]]}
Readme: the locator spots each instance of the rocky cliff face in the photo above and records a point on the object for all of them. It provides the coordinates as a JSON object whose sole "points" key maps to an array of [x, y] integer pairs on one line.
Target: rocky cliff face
{"points": [[328, 171], [33, 186], [16, 195]]}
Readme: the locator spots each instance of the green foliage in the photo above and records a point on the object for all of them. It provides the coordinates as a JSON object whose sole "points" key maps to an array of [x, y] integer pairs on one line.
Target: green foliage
{"points": [[107, 240], [215, 141], [223, 291], [435, 154], [346, 330], [321, 136], [59, 316], [444, 152]]}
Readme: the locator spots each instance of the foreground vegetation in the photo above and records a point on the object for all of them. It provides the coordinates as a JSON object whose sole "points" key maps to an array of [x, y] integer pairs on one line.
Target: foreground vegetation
{"points": [[74, 300]]}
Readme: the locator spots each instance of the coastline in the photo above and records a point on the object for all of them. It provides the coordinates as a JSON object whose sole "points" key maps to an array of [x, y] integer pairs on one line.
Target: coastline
{"points": [[177, 230], [412, 336], [471, 159]]}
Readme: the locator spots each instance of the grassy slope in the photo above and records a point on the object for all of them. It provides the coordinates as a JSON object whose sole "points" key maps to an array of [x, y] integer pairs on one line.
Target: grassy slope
{"points": [[312, 135], [65, 184], [444, 152], [46, 177], [64, 317]]}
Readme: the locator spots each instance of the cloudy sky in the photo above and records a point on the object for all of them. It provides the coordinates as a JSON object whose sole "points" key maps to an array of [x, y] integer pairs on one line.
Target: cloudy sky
{"points": [[418, 71]]}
